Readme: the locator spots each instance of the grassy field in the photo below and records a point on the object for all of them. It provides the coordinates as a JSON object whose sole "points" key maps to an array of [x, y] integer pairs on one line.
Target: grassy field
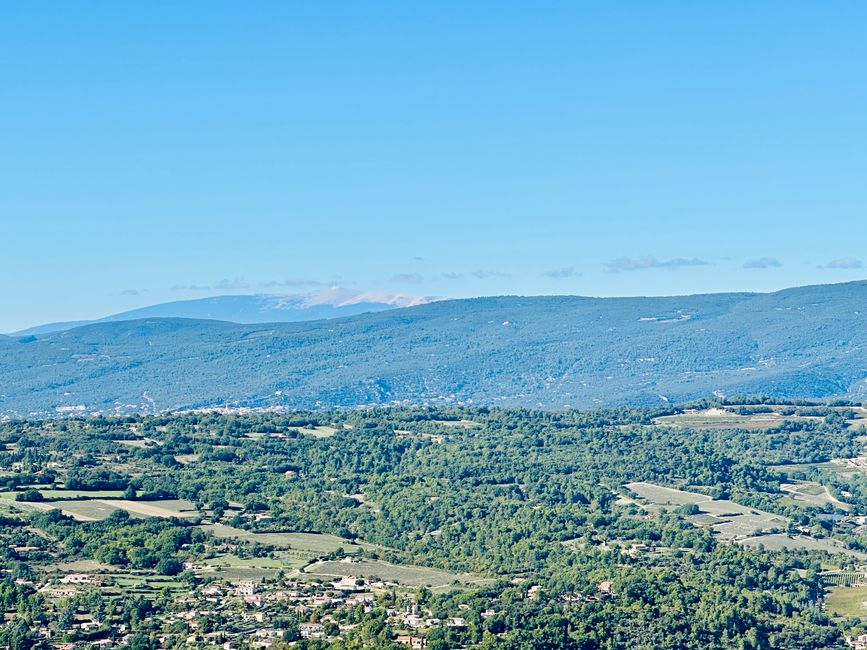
{"points": [[163, 508], [661, 495], [251, 562], [847, 601], [313, 542], [317, 432], [83, 566], [71, 494], [717, 418], [408, 576], [89, 510], [131, 583], [139, 443], [813, 494], [781, 541], [231, 567], [98, 509], [464, 424], [729, 520]]}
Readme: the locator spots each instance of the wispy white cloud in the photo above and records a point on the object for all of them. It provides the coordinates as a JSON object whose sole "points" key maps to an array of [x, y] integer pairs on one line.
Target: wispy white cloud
{"points": [[453, 275], [489, 274], [562, 272], [843, 263], [763, 263], [642, 263]]}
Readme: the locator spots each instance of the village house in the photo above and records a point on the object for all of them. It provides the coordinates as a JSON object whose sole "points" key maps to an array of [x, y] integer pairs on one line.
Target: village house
{"points": [[76, 579], [312, 630], [245, 588]]}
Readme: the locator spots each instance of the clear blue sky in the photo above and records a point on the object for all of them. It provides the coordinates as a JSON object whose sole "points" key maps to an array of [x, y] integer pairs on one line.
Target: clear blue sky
{"points": [[156, 151]]}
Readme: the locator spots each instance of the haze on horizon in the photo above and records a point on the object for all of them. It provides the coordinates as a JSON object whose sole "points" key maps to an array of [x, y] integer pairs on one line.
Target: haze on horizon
{"points": [[152, 153]]}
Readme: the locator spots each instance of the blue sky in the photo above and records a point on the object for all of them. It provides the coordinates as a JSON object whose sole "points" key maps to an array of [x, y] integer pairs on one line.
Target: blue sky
{"points": [[161, 151]]}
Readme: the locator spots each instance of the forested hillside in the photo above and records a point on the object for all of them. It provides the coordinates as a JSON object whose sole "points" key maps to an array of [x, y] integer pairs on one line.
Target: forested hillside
{"points": [[548, 351]]}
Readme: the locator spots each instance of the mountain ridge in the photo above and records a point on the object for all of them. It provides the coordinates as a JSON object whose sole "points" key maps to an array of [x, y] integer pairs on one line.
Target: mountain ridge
{"points": [[543, 351], [334, 302]]}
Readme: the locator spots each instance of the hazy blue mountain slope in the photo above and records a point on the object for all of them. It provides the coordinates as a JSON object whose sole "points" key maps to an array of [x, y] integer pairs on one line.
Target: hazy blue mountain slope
{"points": [[260, 308], [549, 351]]}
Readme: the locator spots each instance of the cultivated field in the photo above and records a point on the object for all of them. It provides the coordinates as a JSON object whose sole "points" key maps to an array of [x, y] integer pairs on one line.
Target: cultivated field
{"points": [[666, 496], [464, 424], [98, 509], [317, 432], [779, 542], [847, 601], [729, 520], [717, 418], [408, 576], [312, 542], [231, 567], [813, 494]]}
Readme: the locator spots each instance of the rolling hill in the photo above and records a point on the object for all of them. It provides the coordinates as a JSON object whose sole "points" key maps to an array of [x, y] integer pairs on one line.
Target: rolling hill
{"points": [[552, 351]]}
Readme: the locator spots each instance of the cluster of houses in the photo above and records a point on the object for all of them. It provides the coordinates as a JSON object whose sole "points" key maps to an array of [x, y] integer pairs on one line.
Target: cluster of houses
{"points": [[246, 612]]}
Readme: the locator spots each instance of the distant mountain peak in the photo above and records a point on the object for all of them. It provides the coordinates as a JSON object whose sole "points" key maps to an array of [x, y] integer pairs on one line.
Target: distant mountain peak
{"points": [[548, 351], [342, 297], [333, 302]]}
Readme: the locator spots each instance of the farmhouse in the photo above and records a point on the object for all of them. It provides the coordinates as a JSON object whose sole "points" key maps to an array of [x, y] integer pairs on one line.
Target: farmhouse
{"points": [[76, 579], [245, 588], [312, 630]]}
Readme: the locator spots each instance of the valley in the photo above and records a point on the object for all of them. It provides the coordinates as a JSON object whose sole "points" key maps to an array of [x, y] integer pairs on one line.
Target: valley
{"points": [[472, 527]]}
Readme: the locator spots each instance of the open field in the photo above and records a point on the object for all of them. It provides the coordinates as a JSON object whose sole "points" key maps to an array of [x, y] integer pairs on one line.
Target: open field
{"points": [[843, 467], [132, 582], [781, 541], [847, 601], [231, 567], [71, 494], [98, 509], [83, 566], [163, 508], [661, 495], [317, 432], [408, 576], [234, 573], [82, 494], [729, 520], [716, 418], [813, 494], [248, 562], [87, 510], [24, 506], [140, 443], [313, 542], [464, 424]]}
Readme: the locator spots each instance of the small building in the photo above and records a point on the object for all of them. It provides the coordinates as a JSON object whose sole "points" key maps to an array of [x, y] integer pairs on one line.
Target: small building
{"points": [[245, 587], [76, 579], [312, 630]]}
